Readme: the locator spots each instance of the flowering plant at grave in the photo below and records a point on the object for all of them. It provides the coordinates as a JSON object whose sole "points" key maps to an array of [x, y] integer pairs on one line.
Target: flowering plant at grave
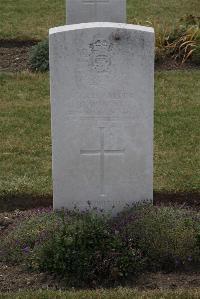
{"points": [[86, 249], [19, 243], [166, 236], [91, 249]]}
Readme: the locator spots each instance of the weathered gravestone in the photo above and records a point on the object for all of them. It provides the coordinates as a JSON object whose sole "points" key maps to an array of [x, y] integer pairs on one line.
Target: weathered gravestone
{"points": [[102, 114], [83, 11]]}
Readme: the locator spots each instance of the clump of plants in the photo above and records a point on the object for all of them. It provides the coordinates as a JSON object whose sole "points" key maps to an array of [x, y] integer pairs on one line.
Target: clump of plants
{"points": [[39, 56], [87, 250], [186, 45], [181, 42], [93, 249], [196, 54], [82, 248], [166, 236], [20, 242]]}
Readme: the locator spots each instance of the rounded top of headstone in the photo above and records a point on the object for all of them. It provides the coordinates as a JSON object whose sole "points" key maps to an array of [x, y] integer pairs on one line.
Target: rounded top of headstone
{"points": [[100, 25]]}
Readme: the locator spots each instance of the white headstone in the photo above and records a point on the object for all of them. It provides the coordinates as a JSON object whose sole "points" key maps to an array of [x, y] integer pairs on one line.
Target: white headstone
{"points": [[83, 11], [102, 91]]}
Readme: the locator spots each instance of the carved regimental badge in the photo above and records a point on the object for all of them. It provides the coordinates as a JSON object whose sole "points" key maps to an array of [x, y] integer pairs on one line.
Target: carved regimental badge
{"points": [[100, 58]]}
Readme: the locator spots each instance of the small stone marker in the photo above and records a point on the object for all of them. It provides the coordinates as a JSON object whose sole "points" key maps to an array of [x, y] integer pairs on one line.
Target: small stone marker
{"points": [[102, 92], [83, 11]]}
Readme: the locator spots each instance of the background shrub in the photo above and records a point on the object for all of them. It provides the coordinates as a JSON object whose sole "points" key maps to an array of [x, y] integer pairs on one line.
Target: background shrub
{"points": [[196, 54], [162, 35], [185, 45], [179, 42], [39, 56]]}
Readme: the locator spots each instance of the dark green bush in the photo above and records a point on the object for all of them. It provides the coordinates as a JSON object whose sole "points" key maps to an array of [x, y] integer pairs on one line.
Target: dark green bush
{"points": [[39, 56], [86, 250], [166, 236]]}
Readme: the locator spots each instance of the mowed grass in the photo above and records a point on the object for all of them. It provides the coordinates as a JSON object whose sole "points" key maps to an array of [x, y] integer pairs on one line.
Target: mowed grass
{"points": [[122, 293], [166, 12], [25, 142], [28, 19], [177, 131]]}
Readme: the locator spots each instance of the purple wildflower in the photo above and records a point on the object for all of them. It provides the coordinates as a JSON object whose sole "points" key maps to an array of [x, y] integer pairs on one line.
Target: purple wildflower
{"points": [[26, 249]]}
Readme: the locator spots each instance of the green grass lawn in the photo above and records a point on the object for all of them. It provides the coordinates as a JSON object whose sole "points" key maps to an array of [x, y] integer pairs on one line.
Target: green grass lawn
{"points": [[28, 19], [25, 142], [103, 294], [177, 131], [161, 10]]}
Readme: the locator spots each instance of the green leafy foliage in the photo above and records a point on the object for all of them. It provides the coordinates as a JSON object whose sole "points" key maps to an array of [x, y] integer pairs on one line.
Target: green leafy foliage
{"points": [[19, 243], [87, 250], [90, 249], [166, 236], [39, 56]]}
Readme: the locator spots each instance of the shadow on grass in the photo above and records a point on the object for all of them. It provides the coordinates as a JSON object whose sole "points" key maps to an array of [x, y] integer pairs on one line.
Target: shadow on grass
{"points": [[23, 201], [15, 43], [184, 199]]}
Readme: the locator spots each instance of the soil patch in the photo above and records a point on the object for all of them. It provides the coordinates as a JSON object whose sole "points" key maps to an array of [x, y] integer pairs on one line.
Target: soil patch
{"points": [[15, 278], [14, 58], [171, 64], [183, 199], [14, 55]]}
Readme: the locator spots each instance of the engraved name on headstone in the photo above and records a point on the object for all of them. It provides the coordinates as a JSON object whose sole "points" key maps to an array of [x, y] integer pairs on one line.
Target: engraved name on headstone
{"points": [[83, 11], [102, 78]]}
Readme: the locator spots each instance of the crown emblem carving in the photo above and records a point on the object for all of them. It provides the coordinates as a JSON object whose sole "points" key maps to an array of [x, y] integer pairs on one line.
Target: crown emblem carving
{"points": [[100, 45]]}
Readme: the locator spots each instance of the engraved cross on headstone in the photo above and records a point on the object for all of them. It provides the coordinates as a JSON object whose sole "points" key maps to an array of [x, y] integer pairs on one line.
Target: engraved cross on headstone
{"points": [[101, 153]]}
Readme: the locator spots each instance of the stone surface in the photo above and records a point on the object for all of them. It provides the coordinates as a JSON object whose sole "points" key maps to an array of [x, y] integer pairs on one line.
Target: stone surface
{"points": [[102, 78], [83, 11]]}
